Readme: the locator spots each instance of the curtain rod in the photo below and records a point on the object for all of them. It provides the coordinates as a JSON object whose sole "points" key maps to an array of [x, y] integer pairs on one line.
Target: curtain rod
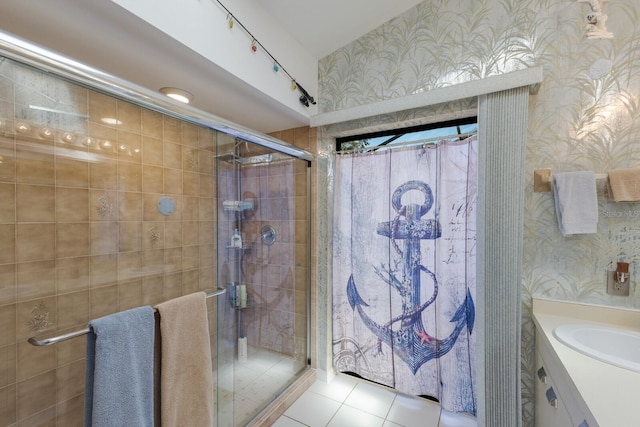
{"points": [[426, 141], [55, 340]]}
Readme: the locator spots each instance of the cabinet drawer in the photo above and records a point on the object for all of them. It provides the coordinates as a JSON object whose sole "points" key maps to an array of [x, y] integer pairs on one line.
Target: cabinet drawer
{"points": [[550, 409], [579, 414]]}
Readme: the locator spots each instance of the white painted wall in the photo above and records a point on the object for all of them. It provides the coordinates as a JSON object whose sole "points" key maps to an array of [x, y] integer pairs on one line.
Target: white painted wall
{"points": [[202, 26]]}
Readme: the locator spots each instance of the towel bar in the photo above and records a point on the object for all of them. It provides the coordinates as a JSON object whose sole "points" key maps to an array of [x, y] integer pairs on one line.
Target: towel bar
{"points": [[542, 179], [54, 340]]}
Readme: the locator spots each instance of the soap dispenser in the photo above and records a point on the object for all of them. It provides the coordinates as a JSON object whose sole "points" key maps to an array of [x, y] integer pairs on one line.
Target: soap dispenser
{"points": [[236, 239]]}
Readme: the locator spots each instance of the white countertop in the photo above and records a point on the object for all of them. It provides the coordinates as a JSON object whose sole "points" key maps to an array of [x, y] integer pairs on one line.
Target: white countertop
{"points": [[612, 394]]}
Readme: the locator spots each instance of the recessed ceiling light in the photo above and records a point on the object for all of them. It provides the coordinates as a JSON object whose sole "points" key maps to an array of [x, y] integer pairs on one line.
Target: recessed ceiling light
{"points": [[177, 94]]}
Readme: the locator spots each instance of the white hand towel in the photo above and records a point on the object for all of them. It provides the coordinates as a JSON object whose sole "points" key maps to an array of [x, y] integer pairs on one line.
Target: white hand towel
{"points": [[576, 202]]}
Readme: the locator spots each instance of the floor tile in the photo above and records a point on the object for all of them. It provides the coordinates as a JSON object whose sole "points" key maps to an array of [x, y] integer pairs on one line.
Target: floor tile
{"points": [[352, 417], [391, 424], [338, 388], [448, 419], [411, 411], [313, 409], [286, 422], [371, 398]]}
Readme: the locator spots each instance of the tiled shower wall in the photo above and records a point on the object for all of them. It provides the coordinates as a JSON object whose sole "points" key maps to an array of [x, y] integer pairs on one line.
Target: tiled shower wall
{"points": [[80, 231], [276, 275]]}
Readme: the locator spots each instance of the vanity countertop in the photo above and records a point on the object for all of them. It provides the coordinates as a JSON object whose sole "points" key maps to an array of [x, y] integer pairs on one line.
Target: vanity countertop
{"points": [[611, 393]]}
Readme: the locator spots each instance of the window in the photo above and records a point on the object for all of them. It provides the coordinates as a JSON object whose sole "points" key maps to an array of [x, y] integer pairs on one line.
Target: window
{"points": [[449, 130]]}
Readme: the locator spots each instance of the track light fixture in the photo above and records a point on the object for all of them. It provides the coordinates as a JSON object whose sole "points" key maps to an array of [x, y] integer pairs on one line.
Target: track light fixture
{"points": [[305, 98]]}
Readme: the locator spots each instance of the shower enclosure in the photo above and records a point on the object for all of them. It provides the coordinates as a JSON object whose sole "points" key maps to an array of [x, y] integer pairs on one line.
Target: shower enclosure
{"points": [[114, 197], [263, 249]]}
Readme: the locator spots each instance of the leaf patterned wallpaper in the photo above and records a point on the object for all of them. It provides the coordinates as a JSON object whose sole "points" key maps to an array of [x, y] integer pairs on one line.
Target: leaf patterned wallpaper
{"points": [[580, 119]]}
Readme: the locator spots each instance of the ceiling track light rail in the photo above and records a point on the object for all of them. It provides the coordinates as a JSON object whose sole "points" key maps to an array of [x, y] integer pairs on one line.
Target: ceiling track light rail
{"points": [[305, 98]]}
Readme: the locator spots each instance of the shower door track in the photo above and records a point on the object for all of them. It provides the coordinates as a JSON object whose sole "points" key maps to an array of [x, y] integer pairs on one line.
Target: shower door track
{"points": [[41, 58]]}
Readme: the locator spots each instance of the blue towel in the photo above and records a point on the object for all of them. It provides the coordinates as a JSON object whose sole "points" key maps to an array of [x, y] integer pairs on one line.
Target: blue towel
{"points": [[119, 370]]}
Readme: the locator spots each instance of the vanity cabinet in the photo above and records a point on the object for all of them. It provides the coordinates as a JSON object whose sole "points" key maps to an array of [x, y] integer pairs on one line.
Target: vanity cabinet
{"points": [[550, 408], [558, 402]]}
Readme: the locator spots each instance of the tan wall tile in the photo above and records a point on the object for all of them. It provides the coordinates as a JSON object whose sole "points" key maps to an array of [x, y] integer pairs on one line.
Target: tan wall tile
{"points": [[8, 291], [7, 243], [8, 205], [34, 167], [73, 309], [129, 176], [104, 238], [152, 290], [9, 161], [172, 259], [103, 270], [104, 174], [71, 350], [7, 366], [172, 155], [130, 115], [151, 123], [129, 206], [35, 203], [152, 235], [152, 179], [104, 301], [71, 173], [33, 361], [129, 266], [72, 204], [72, 240], [191, 208], [101, 106], [129, 295], [36, 279], [35, 242], [130, 236], [71, 412], [36, 393], [46, 418], [72, 274], [172, 129], [172, 287], [173, 181], [152, 151], [104, 140], [70, 380], [129, 147], [190, 158], [34, 317], [103, 205], [191, 183]]}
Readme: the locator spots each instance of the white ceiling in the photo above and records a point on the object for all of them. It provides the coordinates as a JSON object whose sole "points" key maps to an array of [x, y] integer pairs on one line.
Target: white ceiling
{"points": [[105, 36]]}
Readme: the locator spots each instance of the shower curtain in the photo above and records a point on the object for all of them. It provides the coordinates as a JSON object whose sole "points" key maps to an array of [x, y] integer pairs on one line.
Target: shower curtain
{"points": [[404, 270]]}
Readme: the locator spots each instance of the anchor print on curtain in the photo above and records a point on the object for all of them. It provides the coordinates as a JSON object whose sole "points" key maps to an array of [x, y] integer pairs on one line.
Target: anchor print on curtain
{"points": [[404, 270]]}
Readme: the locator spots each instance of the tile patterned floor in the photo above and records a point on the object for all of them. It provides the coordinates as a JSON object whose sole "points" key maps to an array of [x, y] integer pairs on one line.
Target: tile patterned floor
{"points": [[349, 402]]}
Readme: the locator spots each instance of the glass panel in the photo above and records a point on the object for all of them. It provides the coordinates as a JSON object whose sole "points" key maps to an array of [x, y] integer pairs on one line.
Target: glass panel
{"points": [[263, 245], [108, 206], [82, 235]]}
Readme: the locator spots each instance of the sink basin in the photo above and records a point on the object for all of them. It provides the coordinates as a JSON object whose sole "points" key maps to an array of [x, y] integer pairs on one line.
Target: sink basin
{"points": [[619, 347]]}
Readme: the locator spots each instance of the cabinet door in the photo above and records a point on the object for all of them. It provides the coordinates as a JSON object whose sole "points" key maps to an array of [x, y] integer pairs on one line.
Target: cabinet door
{"points": [[550, 411]]}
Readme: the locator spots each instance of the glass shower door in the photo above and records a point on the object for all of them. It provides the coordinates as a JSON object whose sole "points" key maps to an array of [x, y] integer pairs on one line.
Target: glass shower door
{"points": [[263, 260]]}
